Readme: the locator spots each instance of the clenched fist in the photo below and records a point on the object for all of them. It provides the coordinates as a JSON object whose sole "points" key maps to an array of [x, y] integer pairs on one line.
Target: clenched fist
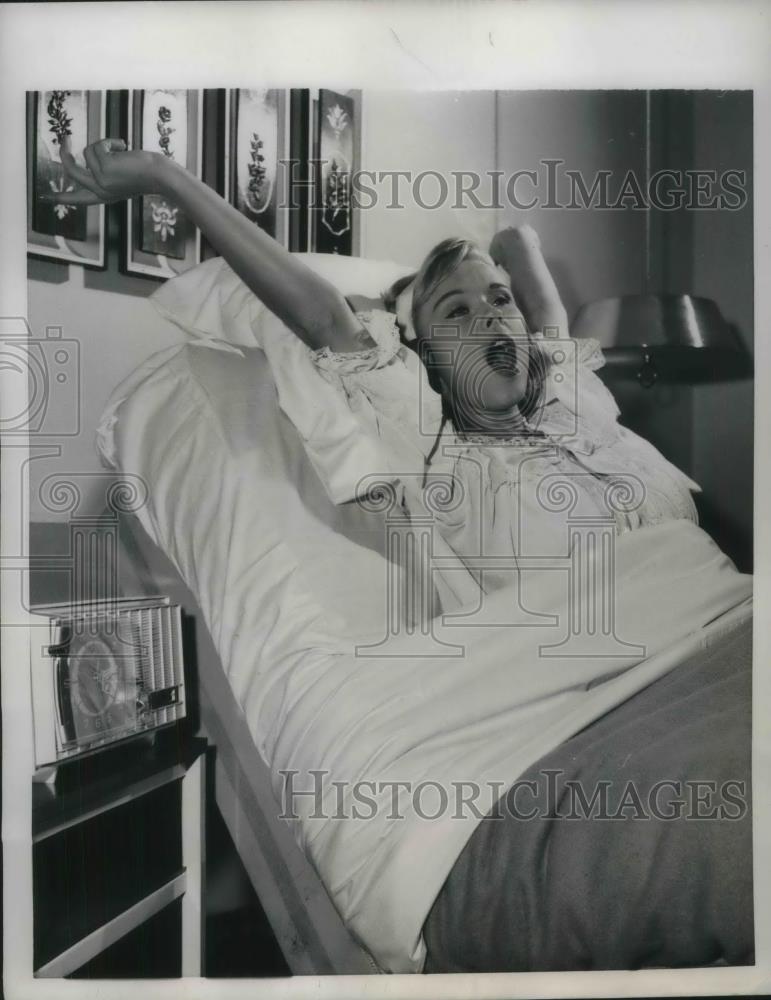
{"points": [[112, 173]]}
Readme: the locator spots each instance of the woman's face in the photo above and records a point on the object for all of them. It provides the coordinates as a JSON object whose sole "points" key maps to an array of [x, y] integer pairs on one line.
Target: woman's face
{"points": [[478, 339]]}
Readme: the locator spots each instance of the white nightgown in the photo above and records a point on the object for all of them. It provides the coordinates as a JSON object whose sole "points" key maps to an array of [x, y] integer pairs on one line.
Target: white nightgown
{"points": [[370, 416]]}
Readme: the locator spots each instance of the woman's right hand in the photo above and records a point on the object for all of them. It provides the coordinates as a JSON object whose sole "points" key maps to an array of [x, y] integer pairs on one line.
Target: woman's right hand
{"points": [[112, 173], [518, 251], [514, 240]]}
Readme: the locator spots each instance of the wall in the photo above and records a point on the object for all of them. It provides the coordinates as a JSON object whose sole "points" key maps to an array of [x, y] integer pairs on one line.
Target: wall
{"points": [[115, 333], [425, 131], [591, 253], [722, 270]]}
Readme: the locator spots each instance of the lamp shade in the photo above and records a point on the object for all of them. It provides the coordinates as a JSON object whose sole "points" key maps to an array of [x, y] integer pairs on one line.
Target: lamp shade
{"points": [[676, 336]]}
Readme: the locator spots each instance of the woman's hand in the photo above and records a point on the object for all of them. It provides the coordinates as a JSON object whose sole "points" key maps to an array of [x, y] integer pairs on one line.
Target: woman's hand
{"points": [[512, 241], [112, 173], [518, 252]]}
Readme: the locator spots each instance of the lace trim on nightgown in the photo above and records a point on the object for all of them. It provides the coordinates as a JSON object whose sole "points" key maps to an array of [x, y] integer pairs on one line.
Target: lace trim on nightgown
{"points": [[382, 327]]}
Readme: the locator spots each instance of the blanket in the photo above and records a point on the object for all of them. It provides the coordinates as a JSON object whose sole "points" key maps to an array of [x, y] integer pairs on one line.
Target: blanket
{"points": [[656, 872]]}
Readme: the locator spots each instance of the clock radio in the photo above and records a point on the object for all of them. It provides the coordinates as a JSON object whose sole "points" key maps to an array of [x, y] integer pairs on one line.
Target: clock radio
{"points": [[103, 671]]}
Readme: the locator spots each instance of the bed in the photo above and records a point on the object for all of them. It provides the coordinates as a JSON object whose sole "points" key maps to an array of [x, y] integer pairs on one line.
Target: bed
{"points": [[298, 672]]}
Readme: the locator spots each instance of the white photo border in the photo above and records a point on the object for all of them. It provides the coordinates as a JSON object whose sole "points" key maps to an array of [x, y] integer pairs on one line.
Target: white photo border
{"points": [[557, 45]]}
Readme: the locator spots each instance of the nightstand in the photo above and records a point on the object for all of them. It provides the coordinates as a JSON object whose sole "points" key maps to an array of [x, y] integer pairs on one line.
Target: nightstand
{"points": [[117, 842]]}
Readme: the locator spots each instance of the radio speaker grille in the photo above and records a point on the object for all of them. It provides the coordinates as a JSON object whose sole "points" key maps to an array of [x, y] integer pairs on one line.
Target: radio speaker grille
{"points": [[113, 669]]}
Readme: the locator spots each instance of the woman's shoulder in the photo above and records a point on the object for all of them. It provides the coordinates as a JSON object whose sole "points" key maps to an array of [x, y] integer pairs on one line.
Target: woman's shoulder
{"points": [[565, 353], [589, 352], [571, 379]]}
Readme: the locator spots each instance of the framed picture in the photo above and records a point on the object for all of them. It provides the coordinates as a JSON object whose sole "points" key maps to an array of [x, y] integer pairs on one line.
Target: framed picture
{"points": [[161, 241], [71, 233], [256, 151], [334, 145]]}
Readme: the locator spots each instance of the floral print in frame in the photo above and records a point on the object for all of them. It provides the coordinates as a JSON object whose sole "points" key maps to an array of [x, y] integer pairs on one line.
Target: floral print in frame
{"points": [[256, 143], [164, 130], [58, 231], [161, 241], [333, 229]]}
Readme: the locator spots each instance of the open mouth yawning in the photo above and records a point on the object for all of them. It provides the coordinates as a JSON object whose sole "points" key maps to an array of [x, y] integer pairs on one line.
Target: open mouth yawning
{"points": [[501, 356]]}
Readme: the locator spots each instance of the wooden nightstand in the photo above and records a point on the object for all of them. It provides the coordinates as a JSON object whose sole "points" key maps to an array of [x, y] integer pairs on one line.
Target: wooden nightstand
{"points": [[116, 841]]}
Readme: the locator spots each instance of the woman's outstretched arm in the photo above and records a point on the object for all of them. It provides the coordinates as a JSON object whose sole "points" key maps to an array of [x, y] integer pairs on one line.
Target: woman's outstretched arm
{"points": [[311, 307]]}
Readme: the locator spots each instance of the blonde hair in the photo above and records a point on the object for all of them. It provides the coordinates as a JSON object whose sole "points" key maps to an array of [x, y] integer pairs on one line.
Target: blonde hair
{"points": [[438, 265]]}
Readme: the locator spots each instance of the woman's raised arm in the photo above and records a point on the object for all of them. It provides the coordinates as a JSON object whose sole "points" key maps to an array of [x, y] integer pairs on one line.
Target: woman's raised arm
{"points": [[311, 307], [518, 252]]}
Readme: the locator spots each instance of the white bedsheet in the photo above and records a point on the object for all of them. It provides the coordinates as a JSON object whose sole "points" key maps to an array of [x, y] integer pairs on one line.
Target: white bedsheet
{"points": [[287, 599]]}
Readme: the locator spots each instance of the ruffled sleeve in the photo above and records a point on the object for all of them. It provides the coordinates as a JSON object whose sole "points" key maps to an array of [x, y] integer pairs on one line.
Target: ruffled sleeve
{"points": [[588, 414], [381, 326], [590, 360], [359, 413], [589, 353]]}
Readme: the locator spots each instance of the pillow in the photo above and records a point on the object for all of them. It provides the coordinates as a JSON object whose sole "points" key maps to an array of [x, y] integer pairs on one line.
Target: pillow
{"points": [[210, 302], [234, 502]]}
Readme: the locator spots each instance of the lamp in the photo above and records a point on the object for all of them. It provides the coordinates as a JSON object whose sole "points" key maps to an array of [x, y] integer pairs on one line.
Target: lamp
{"points": [[672, 337]]}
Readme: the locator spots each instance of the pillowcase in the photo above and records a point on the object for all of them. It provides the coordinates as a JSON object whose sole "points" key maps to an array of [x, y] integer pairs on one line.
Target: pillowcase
{"points": [[210, 302]]}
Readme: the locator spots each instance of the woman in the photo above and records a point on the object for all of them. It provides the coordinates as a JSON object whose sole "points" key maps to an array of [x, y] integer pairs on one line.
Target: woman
{"points": [[505, 415], [501, 412]]}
